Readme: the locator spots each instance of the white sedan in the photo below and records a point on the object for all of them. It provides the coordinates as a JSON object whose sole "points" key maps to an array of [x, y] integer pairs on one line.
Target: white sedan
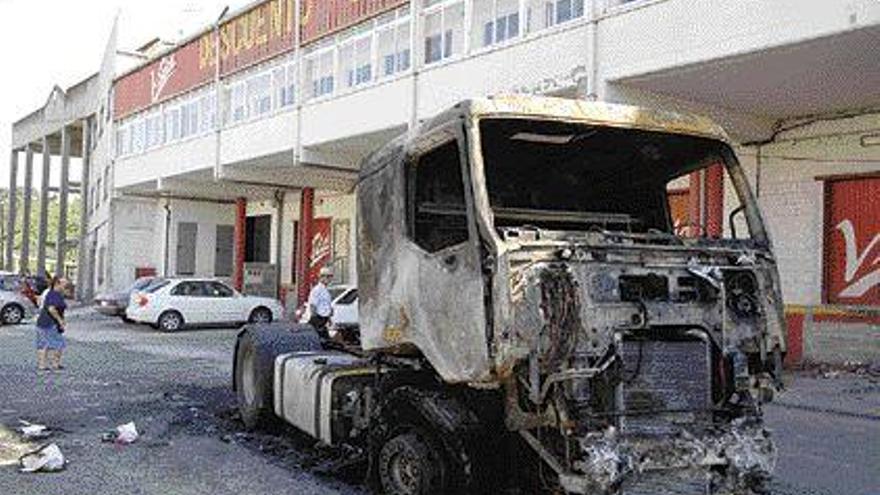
{"points": [[171, 304]]}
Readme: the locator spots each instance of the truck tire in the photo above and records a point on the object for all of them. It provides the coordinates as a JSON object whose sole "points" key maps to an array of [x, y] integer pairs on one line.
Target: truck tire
{"points": [[413, 421], [411, 464], [253, 371]]}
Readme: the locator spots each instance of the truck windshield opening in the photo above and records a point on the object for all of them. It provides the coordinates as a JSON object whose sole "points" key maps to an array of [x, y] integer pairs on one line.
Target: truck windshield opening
{"points": [[573, 176]]}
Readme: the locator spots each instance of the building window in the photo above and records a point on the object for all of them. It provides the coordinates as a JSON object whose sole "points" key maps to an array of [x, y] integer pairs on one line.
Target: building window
{"points": [[444, 29], [123, 143], [236, 96], [355, 61], [545, 13], [96, 194], [155, 131], [207, 113], [319, 73], [138, 135], [189, 118], [259, 94], [172, 124], [495, 21], [284, 81], [106, 191], [393, 46]]}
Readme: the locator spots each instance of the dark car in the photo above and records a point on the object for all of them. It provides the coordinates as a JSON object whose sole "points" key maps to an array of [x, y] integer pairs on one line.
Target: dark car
{"points": [[115, 304]]}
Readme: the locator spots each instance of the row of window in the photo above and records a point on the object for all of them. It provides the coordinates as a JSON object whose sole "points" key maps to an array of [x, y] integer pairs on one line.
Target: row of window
{"points": [[377, 49], [196, 115]]}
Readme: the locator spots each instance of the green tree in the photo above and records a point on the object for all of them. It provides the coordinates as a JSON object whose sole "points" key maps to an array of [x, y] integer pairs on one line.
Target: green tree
{"points": [[74, 211]]}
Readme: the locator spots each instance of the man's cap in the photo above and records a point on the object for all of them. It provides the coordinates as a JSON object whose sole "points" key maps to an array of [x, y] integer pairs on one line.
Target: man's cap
{"points": [[326, 272]]}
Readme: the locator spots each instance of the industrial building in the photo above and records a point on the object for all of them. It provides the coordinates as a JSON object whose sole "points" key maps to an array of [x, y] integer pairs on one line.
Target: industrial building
{"points": [[234, 152]]}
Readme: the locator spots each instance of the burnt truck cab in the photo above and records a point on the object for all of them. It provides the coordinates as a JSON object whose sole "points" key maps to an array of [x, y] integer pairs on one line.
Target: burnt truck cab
{"points": [[524, 247], [532, 318]]}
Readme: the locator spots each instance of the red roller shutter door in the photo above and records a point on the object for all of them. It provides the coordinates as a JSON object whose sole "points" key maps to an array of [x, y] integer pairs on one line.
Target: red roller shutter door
{"points": [[852, 241]]}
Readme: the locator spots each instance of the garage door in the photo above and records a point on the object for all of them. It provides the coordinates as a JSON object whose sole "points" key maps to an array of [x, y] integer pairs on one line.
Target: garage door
{"points": [[852, 241]]}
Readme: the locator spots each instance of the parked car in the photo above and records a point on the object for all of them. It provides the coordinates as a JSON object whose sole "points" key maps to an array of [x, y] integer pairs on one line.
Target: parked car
{"points": [[345, 309], [172, 304], [15, 307], [29, 285], [114, 304]]}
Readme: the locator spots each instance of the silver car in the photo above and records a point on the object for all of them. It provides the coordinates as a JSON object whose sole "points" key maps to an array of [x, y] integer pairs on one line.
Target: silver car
{"points": [[15, 307]]}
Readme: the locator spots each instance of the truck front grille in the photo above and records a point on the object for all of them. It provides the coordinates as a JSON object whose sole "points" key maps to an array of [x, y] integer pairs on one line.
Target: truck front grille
{"points": [[664, 383]]}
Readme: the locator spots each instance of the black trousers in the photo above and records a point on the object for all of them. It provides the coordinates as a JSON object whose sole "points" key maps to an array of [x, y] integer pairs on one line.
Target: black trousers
{"points": [[319, 323]]}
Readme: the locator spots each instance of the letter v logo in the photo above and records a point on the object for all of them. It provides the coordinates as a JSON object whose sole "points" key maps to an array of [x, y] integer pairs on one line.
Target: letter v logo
{"points": [[856, 261]]}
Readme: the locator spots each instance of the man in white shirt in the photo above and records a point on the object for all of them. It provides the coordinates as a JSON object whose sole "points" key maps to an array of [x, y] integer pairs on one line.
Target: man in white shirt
{"points": [[320, 303]]}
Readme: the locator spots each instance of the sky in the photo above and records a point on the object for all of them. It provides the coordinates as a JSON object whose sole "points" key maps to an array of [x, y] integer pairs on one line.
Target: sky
{"points": [[49, 42]]}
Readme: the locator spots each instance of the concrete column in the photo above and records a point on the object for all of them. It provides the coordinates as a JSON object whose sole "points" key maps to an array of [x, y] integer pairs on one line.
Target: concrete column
{"points": [[25, 264], [13, 203], [83, 259], [279, 242], [239, 234], [304, 252], [64, 189], [42, 233]]}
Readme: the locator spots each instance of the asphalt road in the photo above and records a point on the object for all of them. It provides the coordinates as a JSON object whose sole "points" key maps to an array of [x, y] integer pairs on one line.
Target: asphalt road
{"points": [[175, 387]]}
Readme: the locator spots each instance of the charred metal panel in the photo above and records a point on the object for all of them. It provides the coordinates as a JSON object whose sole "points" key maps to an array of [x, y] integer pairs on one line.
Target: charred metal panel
{"points": [[411, 300]]}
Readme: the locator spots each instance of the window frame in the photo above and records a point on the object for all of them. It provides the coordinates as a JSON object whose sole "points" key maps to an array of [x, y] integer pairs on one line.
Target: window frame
{"points": [[424, 145]]}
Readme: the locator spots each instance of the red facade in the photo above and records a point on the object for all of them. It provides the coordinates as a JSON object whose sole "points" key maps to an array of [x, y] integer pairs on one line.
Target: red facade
{"points": [[260, 33], [175, 73], [323, 17], [852, 240]]}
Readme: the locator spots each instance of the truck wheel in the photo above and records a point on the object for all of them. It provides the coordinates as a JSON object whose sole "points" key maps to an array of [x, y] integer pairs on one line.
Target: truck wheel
{"points": [[260, 315], [409, 464], [254, 367]]}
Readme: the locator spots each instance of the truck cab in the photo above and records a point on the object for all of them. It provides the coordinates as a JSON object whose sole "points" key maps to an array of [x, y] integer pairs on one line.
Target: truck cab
{"points": [[530, 315]]}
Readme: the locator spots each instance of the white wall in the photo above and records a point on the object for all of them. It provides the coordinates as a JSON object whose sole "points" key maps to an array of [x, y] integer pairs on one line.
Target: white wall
{"points": [[194, 154], [676, 33], [134, 239], [792, 199], [207, 215]]}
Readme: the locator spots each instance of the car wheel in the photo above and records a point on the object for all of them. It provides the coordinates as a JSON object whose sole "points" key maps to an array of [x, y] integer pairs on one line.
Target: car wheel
{"points": [[126, 319], [12, 314], [260, 315], [409, 464], [170, 321]]}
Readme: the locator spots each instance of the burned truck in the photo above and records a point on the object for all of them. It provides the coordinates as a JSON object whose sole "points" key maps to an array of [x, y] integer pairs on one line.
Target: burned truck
{"points": [[531, 318]]}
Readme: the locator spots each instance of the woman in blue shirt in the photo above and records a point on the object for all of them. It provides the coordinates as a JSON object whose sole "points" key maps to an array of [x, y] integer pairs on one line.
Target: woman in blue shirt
{"points": [[50, 325]]}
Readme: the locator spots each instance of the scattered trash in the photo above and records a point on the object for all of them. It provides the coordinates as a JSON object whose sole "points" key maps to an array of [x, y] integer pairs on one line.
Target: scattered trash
{"points": [[45, 459], [32, 431], [124, 434]]}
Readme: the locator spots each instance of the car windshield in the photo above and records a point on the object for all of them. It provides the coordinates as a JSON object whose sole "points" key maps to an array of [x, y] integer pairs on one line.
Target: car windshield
{"points": [[575, 176]]}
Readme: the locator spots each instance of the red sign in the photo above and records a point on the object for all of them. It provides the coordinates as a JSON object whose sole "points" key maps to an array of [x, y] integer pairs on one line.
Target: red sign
{"points": [[175, 73], [852, 241], [323, 17], [260, 33], [321, 248]]}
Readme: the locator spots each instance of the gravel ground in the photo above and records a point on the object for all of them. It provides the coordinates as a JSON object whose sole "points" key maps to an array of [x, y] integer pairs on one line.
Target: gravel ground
{"points": [[176, 389]]}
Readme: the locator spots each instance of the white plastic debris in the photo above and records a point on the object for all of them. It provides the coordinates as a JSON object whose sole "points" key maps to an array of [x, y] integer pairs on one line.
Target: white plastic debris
{"points": [[45, 459], [126, 434], [32, 431]]}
